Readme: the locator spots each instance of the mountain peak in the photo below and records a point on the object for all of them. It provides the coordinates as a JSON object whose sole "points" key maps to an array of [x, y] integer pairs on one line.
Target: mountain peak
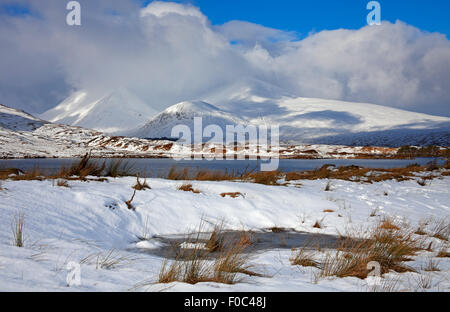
{"points": [[113, 112], [186, 107]]}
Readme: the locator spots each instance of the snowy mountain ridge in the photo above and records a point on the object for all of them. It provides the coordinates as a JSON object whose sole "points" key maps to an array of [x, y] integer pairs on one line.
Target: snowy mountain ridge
{"points": [[113, 112], [255, 102], [312, 121]]}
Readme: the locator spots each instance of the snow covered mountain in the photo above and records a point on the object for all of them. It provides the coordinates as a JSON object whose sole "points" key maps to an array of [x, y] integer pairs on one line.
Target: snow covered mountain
{"points": [[311, 121], [111, 113], [183, 114], [251, 101], [18, 120]]}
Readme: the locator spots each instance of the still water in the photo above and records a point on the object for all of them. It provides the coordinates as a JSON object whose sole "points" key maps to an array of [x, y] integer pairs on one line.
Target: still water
{"points": [[160, 167]]}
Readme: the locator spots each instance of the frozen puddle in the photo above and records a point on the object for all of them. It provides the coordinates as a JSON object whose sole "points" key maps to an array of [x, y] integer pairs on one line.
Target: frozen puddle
{"points": [[172, 246]]}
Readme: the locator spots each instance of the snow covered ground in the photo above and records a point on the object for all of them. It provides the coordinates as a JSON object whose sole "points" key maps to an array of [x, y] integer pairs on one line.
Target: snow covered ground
{"points": [[88, 220]]}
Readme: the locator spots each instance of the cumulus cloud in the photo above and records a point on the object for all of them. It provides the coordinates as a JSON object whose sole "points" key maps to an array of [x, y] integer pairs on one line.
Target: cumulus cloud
{"points": [[170, 52]]}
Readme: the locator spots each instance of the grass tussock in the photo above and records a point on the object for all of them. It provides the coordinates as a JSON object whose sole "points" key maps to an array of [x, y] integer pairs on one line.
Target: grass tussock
{"points": [[422, 182], [17, 228], [141, 186], [266, 178], [443, 253], [129, 203], [276, 229], [304, 258], [447, 164], [109, 260], [388, 224], [119, 168], [216, 240], [232, 195], [62, 183], [431, 266], [188, 188], [389, 249], [318, 224], [225, 263], [440, 229]]}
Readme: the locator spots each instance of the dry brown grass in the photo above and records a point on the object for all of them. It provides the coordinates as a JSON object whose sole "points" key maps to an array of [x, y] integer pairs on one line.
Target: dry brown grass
{"points": [[141, 186], [6, 173], [185, 174], [304, 258], [232, 195], [188, 188], [216, 240], [360, 174], [266, 178], [62, 183], [85, 167], [318, 224], [197, 266], [30, 175], [388, 248], [79, 170], [440, 229], [118, 168], [422, 182], [431, 266], [129, 203], [447, 164], [353, 258], [277, 229], [388, 224], [443, 253], [420, 231]]}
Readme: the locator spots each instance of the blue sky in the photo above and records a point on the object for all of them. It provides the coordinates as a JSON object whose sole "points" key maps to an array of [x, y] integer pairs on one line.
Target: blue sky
{"points": [[304, 16]]}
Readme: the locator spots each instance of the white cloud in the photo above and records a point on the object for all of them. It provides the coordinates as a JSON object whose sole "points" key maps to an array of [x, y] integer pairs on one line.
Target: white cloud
{"points": [[170, 52]]}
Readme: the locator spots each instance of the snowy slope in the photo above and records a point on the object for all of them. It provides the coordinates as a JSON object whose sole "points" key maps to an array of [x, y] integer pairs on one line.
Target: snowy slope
{"points": [[18, 120], [84, 222], [183, 114], [110, 113], [312, 121]]}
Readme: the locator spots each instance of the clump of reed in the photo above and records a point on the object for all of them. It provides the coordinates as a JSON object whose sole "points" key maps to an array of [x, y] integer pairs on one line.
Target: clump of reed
{"points": [[217, 260], [389, 247]]}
